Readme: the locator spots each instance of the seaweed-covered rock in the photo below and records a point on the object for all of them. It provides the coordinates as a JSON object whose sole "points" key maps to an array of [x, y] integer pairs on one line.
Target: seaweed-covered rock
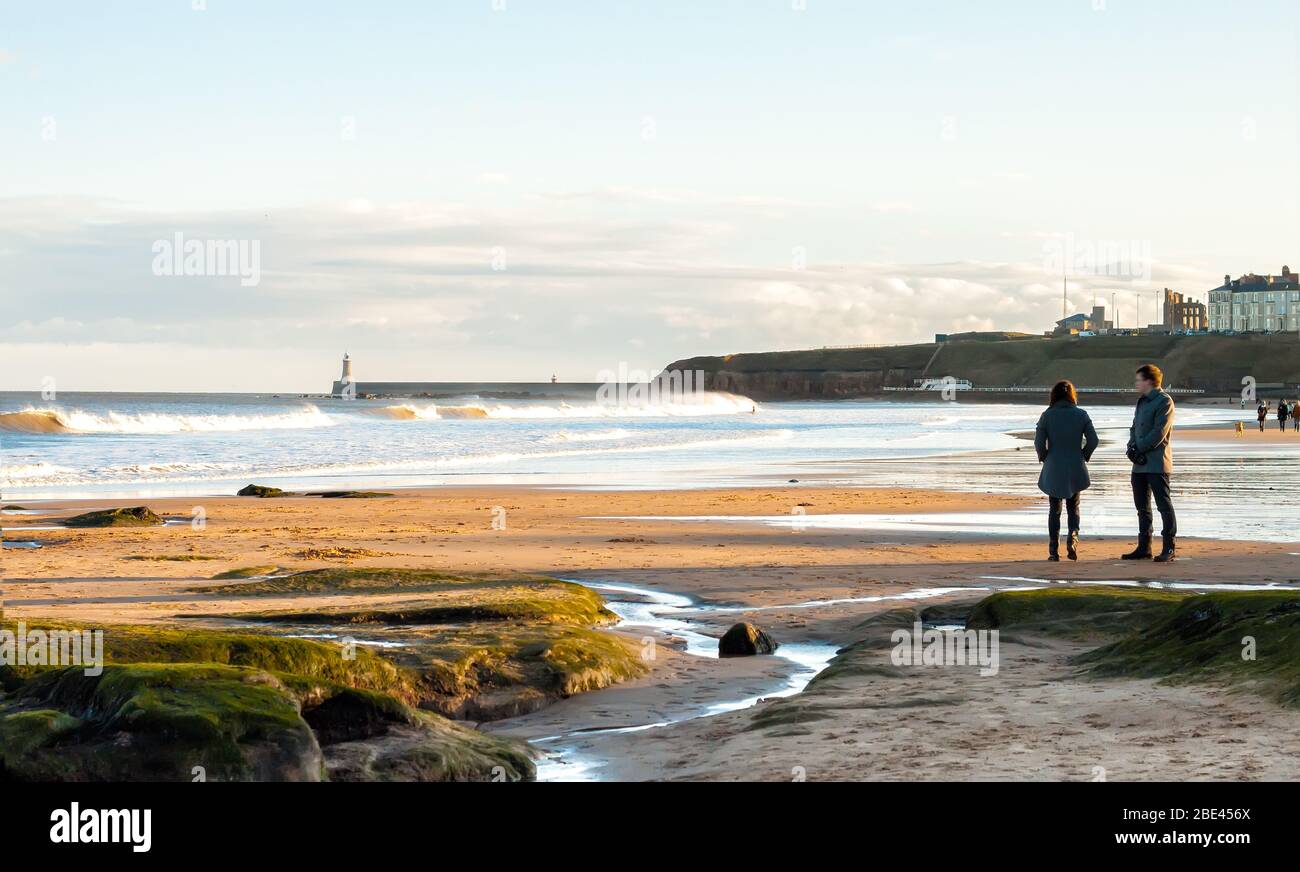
{"points": [[156, 722], [348, 495], [367, 736], [260, 490], [478, 646], [136, 516], [1245, 639], [247, 572], [428, 747], [348, 714], [1074, 612], [745, 640]]}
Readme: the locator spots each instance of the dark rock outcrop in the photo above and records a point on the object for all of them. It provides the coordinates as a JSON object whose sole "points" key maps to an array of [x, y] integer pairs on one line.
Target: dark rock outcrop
{"points": [[348, 495], [260, 490], [745, 640], [136, 516], [156, 722]]}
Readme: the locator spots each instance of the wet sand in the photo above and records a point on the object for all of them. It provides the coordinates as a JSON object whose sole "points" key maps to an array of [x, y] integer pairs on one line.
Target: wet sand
{"points": [[1220, 433], [809, 587]]}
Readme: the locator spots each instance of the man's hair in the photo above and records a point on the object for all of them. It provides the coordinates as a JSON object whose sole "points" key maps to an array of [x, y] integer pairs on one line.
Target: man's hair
{"points": [[1063, 390], [1151, 373]]}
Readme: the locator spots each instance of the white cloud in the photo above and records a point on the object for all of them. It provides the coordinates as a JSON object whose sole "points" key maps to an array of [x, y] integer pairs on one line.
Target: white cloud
{"points": [[411, 289]]}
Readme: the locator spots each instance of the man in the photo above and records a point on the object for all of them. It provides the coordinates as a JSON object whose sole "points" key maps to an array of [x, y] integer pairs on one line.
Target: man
{"points": [[1283, 410], [1153, 460]]}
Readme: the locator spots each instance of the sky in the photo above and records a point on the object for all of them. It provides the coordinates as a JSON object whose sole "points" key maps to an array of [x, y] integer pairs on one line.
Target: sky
{"points": [[458, 190]]}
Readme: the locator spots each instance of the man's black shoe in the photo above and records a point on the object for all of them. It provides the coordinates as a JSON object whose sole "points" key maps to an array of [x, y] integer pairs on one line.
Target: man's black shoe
{"points": [[1166, 553]]}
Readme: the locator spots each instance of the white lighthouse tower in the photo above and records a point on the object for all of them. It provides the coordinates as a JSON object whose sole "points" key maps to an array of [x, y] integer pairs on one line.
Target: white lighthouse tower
{"points": [[345, 387]]}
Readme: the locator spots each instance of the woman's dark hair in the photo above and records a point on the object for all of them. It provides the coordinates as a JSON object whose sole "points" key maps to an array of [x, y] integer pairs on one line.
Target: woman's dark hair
{"points": [[1064, 390]]}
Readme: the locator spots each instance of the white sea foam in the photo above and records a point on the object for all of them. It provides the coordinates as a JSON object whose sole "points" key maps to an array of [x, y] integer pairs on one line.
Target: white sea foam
{"points": [[60, 421], [190, 472], [701, 405], [33, 472], [570, 436]]}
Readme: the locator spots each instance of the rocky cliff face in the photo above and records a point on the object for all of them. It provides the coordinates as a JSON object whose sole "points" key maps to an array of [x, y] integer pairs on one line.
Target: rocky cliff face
{"points": [[804, 385], [1216, 364]]}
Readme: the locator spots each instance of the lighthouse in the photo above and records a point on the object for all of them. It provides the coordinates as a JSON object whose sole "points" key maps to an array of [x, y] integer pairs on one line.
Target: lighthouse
{"points": [[345, 387]]}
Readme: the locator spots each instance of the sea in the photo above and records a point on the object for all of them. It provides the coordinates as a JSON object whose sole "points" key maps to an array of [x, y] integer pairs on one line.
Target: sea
{"points": [[146, 445]]}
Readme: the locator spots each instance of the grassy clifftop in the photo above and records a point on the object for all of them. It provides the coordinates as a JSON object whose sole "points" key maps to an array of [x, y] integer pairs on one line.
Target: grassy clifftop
{"points": [[1214, 363]]}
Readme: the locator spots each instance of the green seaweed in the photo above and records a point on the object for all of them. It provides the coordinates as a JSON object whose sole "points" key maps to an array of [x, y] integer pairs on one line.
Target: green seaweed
{"points": [[1074, 612], [136, 516], [156, 722], [242, 572], [177, 558], [348, 495], [260, 490], [1250, 639]]}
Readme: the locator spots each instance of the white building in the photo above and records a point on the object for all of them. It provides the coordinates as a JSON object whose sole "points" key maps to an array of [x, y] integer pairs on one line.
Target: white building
{"points": [[1256, 303]]}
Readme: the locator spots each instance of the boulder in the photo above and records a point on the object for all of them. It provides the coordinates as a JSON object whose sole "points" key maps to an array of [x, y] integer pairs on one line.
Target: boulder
{"points": [[156, 722], [260, 490], [136, 516], [745, 640]]}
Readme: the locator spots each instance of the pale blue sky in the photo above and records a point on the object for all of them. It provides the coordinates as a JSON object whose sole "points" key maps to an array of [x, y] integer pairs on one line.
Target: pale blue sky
{"points": [[648, 169]]}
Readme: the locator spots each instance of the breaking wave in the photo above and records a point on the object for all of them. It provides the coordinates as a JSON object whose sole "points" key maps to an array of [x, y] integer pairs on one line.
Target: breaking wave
{"points": [[76, 421], [33, 471], [72, 421], [695, 406]]}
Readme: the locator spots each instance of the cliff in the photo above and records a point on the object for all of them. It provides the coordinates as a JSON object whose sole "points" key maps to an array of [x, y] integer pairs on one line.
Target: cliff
{"points": [[1214, 363]]}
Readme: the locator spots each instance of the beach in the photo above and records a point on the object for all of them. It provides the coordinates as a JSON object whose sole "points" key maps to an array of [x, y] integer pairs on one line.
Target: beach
{"points": [[691, 715]]}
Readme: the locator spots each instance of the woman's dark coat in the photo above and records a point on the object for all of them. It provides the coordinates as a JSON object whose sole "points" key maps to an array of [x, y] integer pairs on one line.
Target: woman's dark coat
{"points": [[1065, 440]]}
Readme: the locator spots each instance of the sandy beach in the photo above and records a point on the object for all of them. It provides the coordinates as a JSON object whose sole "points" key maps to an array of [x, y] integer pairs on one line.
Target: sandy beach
{"points": [[1220, 433], [807, 586]]}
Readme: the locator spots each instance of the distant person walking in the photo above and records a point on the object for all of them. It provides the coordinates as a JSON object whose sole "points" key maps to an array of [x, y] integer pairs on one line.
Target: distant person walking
{"points": [[1153, 461], [1065, 440], [1295, 419], [1283, 412], [1262, 414]]}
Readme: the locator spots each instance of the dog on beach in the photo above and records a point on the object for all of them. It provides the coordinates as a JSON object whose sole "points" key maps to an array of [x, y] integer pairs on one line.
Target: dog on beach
{"points": [[1241, 429]]}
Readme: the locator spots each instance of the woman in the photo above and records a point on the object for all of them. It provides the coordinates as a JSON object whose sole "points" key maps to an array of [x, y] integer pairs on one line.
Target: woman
{"points": [[1283, 411], [1065, 440], [1262, 413]]}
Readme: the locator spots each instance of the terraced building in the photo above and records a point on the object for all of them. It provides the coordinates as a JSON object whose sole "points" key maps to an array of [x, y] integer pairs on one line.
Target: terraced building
{"points": [[1255, 303]]}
